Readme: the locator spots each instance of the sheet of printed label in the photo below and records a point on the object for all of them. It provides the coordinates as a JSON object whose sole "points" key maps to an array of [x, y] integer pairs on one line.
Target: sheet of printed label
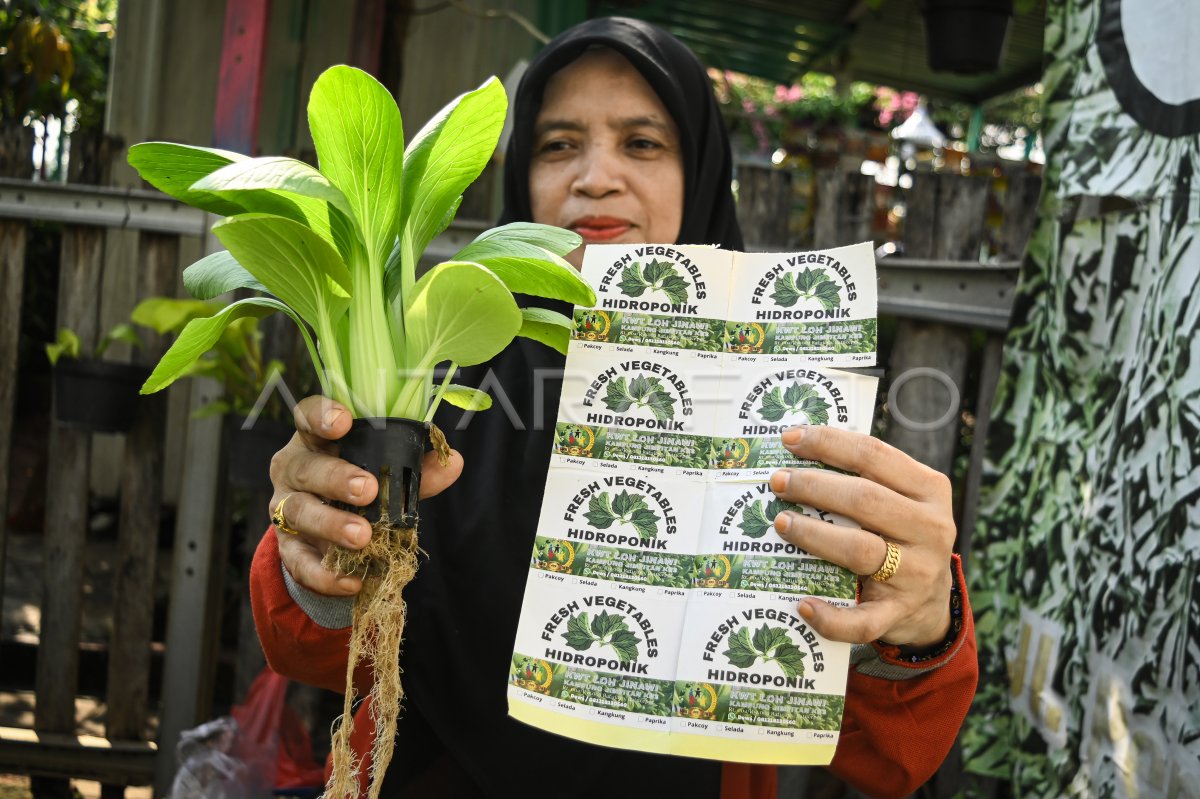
{"points": [[660, 607]]}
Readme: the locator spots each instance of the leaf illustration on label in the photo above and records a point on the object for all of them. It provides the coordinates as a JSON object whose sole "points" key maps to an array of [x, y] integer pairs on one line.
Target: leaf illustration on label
{"points": [[606, 629], [657, 276], [770, 644], [798, 398], [811, 284], [641, 392], [626, 508], [758, 517]]}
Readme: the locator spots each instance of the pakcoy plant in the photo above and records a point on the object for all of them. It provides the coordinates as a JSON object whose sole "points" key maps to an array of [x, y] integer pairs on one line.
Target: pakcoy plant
{"points": [[336, 248]]}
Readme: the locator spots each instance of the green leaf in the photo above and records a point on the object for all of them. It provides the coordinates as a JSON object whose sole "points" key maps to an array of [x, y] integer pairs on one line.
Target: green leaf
{"points": [[816, 410], [785, 293], [599, 513], [559, 241], [796, 393], [767, 638], [67, 344], [631, 284], [645, 521], [549, 327], [168, 314], [459, 312], [740, 652], [827, 294], [772, 408], [625, 503], [123, 333], [640, 387], [274, 173], [469, 399], [625, 644], [217, 273], [791, 659], [606, 623], [808, 280], [359, 139], [661, 404], [527, 258], [617, 397], [676, 289], [445, 157], [754, 523], [173, 168], [199, 336], [294, 263], [578, 634]]}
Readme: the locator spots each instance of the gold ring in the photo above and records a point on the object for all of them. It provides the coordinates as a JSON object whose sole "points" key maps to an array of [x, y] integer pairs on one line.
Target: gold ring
{"points": [[890, 564], [278, 519]]}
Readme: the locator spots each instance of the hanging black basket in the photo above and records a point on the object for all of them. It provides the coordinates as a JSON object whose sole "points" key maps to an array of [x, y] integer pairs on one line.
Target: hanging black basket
{"points": [[97, 396], [966, 36], [251, 448], [390, 449]]}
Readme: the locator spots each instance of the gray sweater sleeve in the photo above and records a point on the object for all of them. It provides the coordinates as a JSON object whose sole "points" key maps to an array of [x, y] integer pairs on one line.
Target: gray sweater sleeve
{"points": [[331, 612]]}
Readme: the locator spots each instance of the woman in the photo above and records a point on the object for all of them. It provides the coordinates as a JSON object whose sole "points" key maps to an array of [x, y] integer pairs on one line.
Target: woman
{"points": [[617, 136]]}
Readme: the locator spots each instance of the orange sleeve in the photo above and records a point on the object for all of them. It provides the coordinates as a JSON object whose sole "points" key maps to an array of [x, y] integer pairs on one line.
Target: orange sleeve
{"points": [[295, 645], [902, 717]]}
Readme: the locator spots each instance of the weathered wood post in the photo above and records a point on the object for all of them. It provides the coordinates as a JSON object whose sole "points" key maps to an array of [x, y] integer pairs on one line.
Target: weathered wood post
{"points": [[764, 205], [141, 511], [944, 222], [66, 509], [843, 209]]}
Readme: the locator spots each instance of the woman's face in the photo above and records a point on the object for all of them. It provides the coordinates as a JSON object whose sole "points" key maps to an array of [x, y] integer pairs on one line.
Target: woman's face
{"points": [[606, 158]]}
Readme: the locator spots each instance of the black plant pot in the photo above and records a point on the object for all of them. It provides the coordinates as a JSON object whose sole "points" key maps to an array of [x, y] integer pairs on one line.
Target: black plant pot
{"points": [[390, 449], [966, 36], [250, 449], [97, 396]]}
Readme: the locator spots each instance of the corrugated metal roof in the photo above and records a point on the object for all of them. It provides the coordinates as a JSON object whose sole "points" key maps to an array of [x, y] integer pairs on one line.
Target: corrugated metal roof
{"points": [[780, 41]]}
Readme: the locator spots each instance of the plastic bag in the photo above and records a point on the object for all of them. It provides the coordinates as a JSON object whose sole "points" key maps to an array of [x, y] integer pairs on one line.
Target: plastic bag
{"points": [[262, 746]]}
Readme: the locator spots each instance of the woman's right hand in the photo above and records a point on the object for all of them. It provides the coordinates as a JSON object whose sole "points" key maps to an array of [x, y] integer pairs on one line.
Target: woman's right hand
{"points": [[307, 472]]}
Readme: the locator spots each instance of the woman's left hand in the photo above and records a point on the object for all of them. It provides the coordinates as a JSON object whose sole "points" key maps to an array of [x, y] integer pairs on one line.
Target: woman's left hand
{"points": [[894, 498]]}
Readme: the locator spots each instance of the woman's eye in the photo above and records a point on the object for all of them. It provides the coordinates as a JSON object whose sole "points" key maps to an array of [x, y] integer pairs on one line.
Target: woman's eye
{"points": [[644, 144], [553, 146]]}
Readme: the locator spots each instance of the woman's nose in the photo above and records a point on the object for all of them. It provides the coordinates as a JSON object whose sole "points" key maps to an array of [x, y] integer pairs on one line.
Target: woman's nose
{"points": [[600, 173]]}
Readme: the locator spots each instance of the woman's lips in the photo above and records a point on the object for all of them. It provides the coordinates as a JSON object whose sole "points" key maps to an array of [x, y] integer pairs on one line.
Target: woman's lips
{"points": [[600, 228]]}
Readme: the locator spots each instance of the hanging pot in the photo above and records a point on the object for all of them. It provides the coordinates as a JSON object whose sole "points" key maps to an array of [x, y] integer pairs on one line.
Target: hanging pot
{"points": [[392, 450], [966, 36], [97, 396], [251, 448]]}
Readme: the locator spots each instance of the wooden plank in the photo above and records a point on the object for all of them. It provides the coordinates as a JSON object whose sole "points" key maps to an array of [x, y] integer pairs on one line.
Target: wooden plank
{"points": [[243, 50], [66, 507], [1020, 213], [989, 378], [764, 204], [843, 212], [141, 500], [12, 277], [25, 751], [944, 221]]}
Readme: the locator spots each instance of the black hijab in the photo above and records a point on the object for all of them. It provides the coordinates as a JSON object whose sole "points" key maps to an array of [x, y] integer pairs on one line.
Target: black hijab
{"points": [[683, 85], [455, 738]]}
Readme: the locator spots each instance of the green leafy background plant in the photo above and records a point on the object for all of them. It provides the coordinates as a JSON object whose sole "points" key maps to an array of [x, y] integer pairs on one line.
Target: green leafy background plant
{"points": [[336, 249]]}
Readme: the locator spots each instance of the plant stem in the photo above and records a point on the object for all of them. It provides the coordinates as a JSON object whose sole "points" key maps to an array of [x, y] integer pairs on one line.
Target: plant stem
{"points": [[437, 398]]}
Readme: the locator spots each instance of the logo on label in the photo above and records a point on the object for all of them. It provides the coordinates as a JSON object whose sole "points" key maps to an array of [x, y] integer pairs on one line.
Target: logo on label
{"points": [[792, 396], [655, 277], [533, 675], [696, 700], [804, 286], [555, 556], [758, 517], [574, 439], [712, 571], [768, 644], [745, 337], [640, 393], [625, 508], [798, 399], [730, 453], [593, 325]]}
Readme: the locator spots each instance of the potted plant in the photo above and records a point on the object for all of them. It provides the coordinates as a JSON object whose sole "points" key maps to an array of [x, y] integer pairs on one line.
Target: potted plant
{"points": [[92, 394], [336, 249], [965, 36], [256, 426]]}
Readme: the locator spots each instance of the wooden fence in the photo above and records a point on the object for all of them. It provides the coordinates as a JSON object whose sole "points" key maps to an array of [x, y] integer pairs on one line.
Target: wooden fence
{"points": [[939, 293]]}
